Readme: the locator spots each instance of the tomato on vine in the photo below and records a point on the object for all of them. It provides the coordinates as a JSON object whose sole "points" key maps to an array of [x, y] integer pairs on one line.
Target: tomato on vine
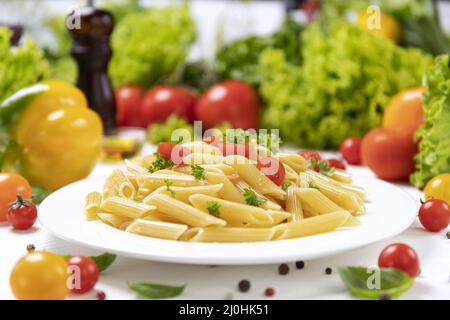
{"points": [[22, 213]]}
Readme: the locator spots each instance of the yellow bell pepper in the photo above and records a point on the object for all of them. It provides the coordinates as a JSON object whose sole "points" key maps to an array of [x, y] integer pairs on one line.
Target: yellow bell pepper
{"points": [[57, 138]]}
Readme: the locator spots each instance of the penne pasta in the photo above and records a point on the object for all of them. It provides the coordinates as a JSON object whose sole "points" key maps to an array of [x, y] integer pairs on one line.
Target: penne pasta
{"points": [[293, 204], [92, 205], [183, 194], [214, 234], [311, 226], [119, 222], [126, 207], [314, 201], [157, 229], [184, 212]]}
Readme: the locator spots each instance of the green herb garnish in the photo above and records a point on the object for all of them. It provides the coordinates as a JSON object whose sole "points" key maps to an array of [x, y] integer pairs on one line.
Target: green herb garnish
{"points": [[312, 164], [155, 291], [213, 208], [39, 194], [285, 185], [198, 172], [160, 163], [325, 169], [168, 184], [313, 185], [374, 283], [252, 199]]}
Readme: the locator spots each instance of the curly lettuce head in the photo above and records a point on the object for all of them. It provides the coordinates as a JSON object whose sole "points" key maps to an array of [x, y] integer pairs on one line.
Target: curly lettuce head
{"points": [[434, 137], [19, 66], [340, 90], [149, 45]]}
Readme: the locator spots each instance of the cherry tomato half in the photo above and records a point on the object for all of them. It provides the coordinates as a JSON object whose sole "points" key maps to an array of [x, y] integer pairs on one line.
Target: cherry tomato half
{"points": [[84, 272], [11, 184], [336, 163], [22, 214], [350, 150], [272, 169], [173, 151], [307, 154], [439, 188], [400, 256], [40, 275], [434, 215]]}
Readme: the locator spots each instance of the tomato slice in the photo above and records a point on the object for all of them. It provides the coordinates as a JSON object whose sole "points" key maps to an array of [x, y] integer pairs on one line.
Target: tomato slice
{"points": [[336, 163], [307, 154], [272, 169], [173, 151]]}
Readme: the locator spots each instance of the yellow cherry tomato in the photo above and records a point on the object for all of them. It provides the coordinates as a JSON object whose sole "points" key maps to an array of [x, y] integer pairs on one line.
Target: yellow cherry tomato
{"points": [[389, 27], [439, 188], [58, 138], [40, 275]]}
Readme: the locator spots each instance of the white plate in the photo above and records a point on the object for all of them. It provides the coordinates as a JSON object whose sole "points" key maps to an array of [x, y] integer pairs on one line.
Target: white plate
{"points": [[390, 211]]}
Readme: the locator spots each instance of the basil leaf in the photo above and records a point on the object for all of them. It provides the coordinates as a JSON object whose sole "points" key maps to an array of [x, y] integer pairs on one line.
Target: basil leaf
{"points": [[102, 261], [155, 291], [392, 282], [39, 193]]}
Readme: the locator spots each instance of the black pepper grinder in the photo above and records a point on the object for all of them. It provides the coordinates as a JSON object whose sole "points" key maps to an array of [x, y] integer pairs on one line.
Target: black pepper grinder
{"points": [[91, 50]]}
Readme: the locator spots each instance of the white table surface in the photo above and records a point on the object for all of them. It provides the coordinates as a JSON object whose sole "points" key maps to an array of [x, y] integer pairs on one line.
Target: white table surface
{"points": [[217, 282]]}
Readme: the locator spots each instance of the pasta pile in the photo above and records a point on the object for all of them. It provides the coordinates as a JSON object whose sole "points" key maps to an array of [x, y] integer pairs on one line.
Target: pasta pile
{"points": [[215, 198]]}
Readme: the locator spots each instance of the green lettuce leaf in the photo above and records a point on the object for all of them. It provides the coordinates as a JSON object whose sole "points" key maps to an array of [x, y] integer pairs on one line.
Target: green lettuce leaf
{"points": [[346, 79], [160, 132], [149, 45], [434, 137]]}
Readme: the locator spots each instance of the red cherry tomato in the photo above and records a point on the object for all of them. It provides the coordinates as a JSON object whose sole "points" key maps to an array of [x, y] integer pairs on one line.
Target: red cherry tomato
{"points": [[400, 256], [22, 214], [336, 163], [231, 101], [272, 169], [84, 272], [128, 102], [434, 215], [307, 154], [172, 151], [350, 149], [162, 101]]}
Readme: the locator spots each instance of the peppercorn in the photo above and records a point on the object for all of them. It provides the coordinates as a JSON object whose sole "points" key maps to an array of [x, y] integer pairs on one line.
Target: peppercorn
{"points": [[101, 295], [384, 296], [448, 235], [328, 270], [283, 269], [244, 285], [31, 248], [300, 264], [269, 292]]}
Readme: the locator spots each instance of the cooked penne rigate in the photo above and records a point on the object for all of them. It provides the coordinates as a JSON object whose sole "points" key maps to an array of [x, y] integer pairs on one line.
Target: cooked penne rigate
{"points": [[216, 198]]}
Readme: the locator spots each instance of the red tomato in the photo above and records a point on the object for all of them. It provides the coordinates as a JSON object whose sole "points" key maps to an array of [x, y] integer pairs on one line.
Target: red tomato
{"points": [[22, 214], [389, 153], [335, 163], [272, 169], [307, 154], [84, 272], [213, 140], [231, 101], [350, 149], [172, 151], [434, 215], [11, 184], [400, 256], [162, 101], [128, 103]]}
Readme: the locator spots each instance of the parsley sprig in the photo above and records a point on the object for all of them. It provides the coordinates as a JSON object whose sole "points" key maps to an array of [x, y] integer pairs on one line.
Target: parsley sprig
{"points": [[198, 172], [285, 185], [168, 184], [325, 168], [313, 185], [252, 199], [213, 208], [160, 163]]}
